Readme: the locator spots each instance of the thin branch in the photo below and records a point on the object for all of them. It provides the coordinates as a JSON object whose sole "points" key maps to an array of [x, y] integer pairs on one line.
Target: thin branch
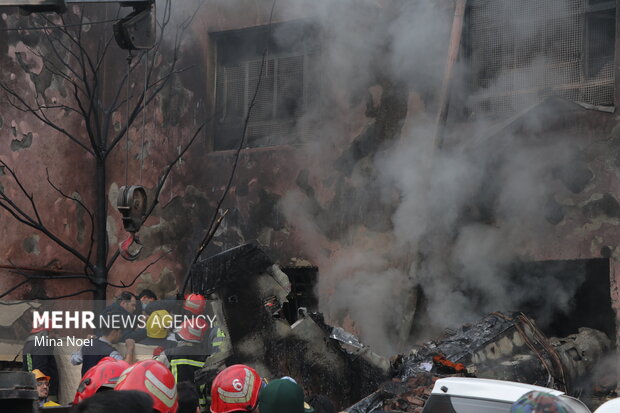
{"points": [[58, 297], [30, 277], [216, 213], [52, 40], [15, 287], [24, 191], [123, 285], [51, 67], [41, 116], [88, 211], [209, 236], [22, 216]]}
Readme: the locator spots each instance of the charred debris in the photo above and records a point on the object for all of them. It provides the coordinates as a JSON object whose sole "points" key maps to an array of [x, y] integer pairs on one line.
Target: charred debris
{"points": [[248, 292]]}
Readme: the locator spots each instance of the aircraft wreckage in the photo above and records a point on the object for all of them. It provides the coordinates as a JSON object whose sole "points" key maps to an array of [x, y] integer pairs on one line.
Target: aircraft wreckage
{"points": [[248, 291]]}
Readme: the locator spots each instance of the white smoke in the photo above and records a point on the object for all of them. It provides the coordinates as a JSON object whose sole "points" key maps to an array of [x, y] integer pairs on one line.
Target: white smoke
{"points": [[434, 203]]}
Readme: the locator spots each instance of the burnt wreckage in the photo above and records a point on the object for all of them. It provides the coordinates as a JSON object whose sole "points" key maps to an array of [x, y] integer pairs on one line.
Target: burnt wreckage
{"points": [[247, 292]]}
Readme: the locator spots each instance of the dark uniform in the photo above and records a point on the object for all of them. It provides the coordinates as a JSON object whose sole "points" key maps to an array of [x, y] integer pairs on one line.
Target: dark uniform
{"points": [[92, 354], [183, 361]]}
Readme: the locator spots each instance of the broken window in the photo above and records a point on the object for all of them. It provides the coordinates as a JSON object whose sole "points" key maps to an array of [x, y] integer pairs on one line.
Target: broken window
{"points": [[283, 92], [522, 51], [590, 306], [303, 281]]}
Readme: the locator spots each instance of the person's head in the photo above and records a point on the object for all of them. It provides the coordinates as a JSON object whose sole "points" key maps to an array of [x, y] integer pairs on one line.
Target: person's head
{"points": [[117, 401], [128, 301], [152, 377], [193, 330], [146, 296], [321, 404], [43, 383], [158, 323], [113, 335], [195, 304], [102, 376], [282, 396], [235, 389], [188, 397], [540, 402]]}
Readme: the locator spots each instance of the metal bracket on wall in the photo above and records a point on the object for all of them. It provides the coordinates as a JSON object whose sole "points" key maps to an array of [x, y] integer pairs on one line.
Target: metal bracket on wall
{"points": [[138, 30]]}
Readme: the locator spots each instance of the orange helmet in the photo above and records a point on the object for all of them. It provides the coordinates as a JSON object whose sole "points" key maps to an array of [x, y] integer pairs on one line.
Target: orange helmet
{"points": [[152, 377], [235, 389], [103, 374], [195, 304], [193, 330]]}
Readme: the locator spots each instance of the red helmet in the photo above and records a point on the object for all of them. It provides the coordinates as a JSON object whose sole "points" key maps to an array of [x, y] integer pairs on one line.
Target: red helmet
{"points": [[45, 327], [152, 377], [103, 374], [195, 304], [193, 330], [235, 388]]}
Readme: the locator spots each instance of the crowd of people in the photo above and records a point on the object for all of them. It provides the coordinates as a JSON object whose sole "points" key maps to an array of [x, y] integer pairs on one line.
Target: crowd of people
{"points": [[164, 383]]}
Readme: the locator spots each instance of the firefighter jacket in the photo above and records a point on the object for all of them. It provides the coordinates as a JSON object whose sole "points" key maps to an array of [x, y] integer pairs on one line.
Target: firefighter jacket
{"points": [[183, 361]]}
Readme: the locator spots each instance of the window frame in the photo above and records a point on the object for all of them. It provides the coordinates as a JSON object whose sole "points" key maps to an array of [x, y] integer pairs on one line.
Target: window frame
{"points": [[305, 49]]}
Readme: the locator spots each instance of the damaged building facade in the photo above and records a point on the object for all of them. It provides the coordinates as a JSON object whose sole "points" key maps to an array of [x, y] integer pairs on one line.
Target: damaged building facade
{"points": [[410, 165]]}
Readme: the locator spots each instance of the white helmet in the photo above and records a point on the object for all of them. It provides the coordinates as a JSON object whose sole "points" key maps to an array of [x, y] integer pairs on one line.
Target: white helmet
{"points": [[612, 406]]}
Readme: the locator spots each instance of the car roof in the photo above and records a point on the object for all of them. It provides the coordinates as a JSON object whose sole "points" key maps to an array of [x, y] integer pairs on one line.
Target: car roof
{"points": [[508, 391]]}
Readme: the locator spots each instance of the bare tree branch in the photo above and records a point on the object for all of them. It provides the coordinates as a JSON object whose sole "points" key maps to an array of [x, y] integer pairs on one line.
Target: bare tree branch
{"points": [[88, 211], [69, 60], [41, 116], [123, 285], [58, 297], [22, 216], [214, 219]]}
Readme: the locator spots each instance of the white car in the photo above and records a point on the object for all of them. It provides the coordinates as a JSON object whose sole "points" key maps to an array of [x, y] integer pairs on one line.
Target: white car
{"points": [[612, 406], [472, 395]]}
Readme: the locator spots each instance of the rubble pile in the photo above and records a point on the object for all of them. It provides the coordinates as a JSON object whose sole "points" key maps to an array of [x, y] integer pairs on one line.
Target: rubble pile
{"points": [[247, 291], [409, 396]]}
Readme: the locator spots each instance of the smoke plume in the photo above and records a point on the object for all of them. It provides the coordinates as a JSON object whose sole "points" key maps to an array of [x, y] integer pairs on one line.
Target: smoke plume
{"points": [[382, 212]]}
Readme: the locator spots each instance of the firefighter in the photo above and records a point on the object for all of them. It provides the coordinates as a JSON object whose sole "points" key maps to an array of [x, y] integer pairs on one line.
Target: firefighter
{"points": [[157, 327], [217, 337], [188, 356], [103, 376], [43, 386], [41, 357], [195, 304], [235, 389], [153, 378]]}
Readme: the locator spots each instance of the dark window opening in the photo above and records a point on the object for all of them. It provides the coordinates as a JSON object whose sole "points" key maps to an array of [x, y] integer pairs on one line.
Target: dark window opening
{"points": [[303, 280], [523, 51], [283, 93], [589, 307]]}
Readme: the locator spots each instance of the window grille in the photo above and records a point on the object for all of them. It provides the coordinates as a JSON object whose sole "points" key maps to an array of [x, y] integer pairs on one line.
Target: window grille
{"points": [[522, 51], [282, 95]]}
